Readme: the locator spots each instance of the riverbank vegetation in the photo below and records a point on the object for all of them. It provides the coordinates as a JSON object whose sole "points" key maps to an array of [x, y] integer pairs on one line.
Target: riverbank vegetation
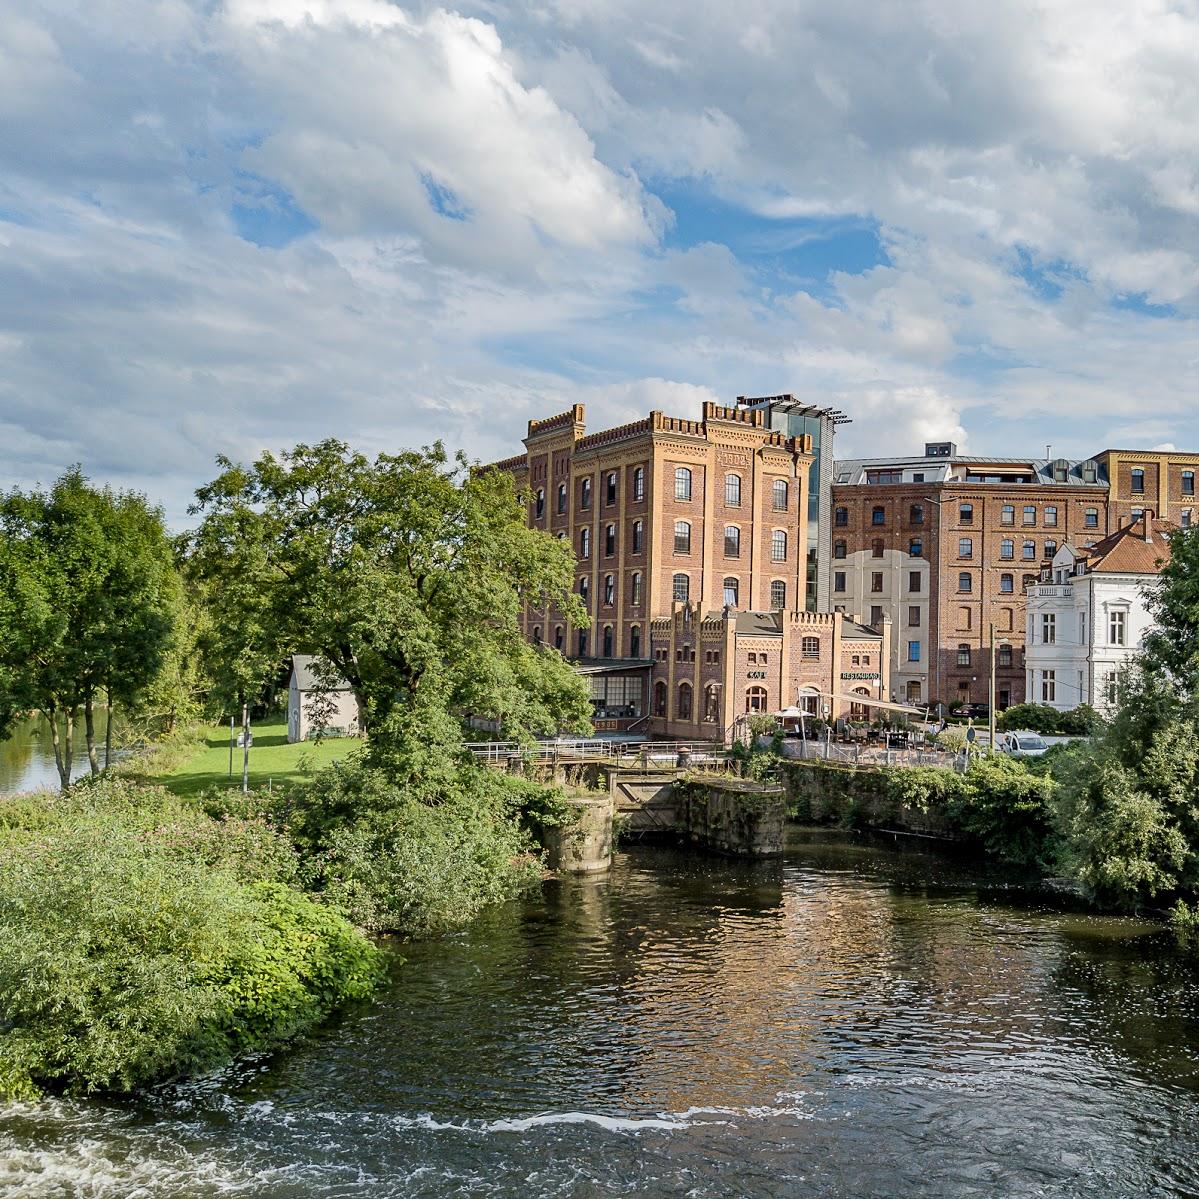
{"points": [[146, 935]]}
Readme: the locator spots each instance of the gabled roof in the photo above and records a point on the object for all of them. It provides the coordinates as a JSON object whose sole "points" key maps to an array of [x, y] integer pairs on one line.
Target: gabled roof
{"points": [[305, 676], [1141, 548]]}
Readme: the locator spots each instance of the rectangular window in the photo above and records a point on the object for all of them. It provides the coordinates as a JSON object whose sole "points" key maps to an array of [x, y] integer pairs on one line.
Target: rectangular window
{"points": [[965, 582], [876, 581], [841, 517], [1048, 686], [1138, 482], [1007, 584], [1091, 518], [1048, 628], [1005, 655], [913, 651], [876, 619], [914, 616], [838, 580], [1082, 628], [966, 514], [913, 580], [1116, 627], [963, 655]]}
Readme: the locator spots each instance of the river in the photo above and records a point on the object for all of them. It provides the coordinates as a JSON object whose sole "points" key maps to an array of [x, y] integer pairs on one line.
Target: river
{"points": [[27, 756], [855, 1021]]}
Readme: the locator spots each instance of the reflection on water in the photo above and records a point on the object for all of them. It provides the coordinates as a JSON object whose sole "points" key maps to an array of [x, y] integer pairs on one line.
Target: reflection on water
{"points": [[834, 1025], [27, 757]]}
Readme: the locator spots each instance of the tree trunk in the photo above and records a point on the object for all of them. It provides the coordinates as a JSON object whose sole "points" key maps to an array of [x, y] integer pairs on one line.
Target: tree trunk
{"points": [[63, 746], [89, 726]]}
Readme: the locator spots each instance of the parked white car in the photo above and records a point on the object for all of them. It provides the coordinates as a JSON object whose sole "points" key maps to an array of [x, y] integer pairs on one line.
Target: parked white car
{"points": [[1024, 745]]}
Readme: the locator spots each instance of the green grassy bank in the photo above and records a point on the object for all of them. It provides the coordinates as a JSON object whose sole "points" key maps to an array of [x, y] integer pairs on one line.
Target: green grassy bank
{"points": [[191, 769]]}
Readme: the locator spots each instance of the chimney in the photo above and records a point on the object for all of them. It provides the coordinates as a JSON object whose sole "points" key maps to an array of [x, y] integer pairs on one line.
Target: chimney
{"points": [[1147, 525]]}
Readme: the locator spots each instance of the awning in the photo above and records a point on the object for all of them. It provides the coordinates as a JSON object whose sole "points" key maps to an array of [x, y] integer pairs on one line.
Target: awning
{"points": [[864, 701]]}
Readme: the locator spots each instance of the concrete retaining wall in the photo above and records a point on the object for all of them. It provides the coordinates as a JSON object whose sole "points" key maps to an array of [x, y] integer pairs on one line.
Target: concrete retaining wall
{"points": [[860, 797], [741, 819], [584, 844]]}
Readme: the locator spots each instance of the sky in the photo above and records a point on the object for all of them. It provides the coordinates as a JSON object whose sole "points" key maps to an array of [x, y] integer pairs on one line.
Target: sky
{"points": [[234, 226]]}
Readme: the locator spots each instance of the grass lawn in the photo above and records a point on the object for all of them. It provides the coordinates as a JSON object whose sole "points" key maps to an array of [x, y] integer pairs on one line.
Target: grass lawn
{"points": [[271, 758]]}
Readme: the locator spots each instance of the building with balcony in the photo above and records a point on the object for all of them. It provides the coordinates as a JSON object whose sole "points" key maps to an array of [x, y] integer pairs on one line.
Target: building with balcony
{"points": [[1088, 616], [945, 545]]}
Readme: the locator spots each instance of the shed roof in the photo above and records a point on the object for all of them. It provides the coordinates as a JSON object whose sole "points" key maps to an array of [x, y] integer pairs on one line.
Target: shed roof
{"points": [[305, 676]]}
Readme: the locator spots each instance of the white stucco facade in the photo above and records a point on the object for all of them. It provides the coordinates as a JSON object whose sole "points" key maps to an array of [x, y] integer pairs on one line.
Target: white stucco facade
{"points": [[1083, 627], [339, 706]]}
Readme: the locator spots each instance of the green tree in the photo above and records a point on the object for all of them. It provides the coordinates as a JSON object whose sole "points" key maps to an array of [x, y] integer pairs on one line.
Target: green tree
{"points": [[1172, 649], [91, 595], [406, 574]]}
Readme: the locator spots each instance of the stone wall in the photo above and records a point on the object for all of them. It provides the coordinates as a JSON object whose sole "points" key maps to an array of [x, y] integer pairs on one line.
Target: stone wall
{"points": [[860, 797], [734, 817]]}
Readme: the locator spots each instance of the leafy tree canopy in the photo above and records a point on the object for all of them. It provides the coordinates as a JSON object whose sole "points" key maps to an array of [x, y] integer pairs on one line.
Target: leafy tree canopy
{"points": [[406, 574]]}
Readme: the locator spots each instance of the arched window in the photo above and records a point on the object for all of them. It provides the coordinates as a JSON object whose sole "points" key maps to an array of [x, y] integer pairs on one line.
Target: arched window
{"points": [[584, 589], [638, 536], [839, 548], [635, 642], [660, 698], [731, 591], [1138, 481], [755, 699], [778, 594], [638, 484], [916, 547], [684, 705], [585, 493], [682, 537], [732, 490], [916, 514], [609, 590], [965, 581], [711, 703], [965, 547], [963, 654], [609, 540], [559, 637], [1007, 584], [1007, 549], [635, 588], [582, 643], [584, 543], [778, 495], [840, 517], [610, 488], [561, 497], [1188, 482], [537, 634], [682, 483], [1051, 516], [778, 546], [539, 503], [1029, 550], [732, 541], [1050, 547], [1008, 515], [878, 515], [859, 711], [966, 514], [681, 588], [608, 648]]}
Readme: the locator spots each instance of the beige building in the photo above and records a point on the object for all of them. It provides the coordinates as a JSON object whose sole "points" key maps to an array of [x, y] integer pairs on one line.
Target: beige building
{"points": [[311, 707]]}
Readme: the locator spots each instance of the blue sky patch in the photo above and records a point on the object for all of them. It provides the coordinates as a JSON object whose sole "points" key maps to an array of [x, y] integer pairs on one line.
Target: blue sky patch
{"points": [[444, 200], [266, 214]]}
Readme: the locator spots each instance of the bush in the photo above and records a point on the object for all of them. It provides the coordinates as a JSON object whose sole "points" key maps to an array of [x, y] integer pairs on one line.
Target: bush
{"points": [[1082, 721], [396, 860], [131, 954], [1008, 809]]}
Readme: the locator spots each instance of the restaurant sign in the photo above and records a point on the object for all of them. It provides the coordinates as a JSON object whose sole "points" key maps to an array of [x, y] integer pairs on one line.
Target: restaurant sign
{"points": [[859, 674]]}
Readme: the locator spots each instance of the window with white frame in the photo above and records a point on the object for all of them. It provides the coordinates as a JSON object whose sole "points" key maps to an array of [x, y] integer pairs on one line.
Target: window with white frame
{"points": [[778, 546], [732, 490], [1048, 628], [1117, 627], [682, 483], [682, 537], [1048, 686]]}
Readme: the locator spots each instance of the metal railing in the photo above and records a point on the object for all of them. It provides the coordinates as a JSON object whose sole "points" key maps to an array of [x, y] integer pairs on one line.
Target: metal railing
{"points": [[594, 750]]}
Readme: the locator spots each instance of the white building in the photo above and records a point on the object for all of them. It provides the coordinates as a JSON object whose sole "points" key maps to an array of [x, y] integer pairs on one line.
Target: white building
{"points": [[1091, 615], [308, 702]]}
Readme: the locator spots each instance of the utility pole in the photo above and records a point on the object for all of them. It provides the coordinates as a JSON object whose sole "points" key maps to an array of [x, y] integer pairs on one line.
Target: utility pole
{"points": [[232, 738], [991, 694]]}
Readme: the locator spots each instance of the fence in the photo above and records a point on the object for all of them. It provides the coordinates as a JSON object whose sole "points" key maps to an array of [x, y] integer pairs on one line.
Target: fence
{"points": [[870, 754], [625, 753]]}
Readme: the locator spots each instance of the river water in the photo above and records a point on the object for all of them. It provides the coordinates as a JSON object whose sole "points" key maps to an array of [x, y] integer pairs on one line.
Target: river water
{"points": [[855, 1021], [27, 756]]}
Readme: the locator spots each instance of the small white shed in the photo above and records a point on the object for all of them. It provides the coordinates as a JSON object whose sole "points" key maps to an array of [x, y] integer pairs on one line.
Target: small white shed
{"points": [[338, 708]]}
